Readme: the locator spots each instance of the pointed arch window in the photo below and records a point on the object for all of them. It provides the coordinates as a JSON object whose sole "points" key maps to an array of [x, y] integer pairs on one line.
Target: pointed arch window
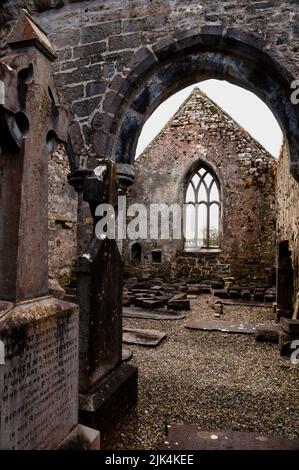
{"points": [[202, 211]]}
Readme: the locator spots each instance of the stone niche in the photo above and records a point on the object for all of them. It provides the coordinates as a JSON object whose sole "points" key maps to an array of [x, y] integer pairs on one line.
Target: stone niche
{"points": [[39, 379]]}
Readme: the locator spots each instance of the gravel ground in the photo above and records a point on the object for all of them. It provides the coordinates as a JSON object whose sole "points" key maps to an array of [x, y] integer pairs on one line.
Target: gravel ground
{"points": [[212, 379]]}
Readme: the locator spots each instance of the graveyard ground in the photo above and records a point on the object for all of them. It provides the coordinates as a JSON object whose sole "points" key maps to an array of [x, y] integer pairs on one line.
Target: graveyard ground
{"points": [[212, 379]]}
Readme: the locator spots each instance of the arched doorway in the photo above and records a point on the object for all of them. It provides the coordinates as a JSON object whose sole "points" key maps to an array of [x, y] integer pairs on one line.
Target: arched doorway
{"points": [[192, 56]]}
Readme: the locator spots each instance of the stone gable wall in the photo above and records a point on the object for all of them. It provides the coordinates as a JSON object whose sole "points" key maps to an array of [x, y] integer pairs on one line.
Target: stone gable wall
{"points": [[200, 131], [99, 43]]}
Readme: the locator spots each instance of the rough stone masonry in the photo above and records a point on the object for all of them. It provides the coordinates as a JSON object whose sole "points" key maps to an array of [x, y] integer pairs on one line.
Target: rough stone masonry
{"points": [[202, 133], [108, 52]]}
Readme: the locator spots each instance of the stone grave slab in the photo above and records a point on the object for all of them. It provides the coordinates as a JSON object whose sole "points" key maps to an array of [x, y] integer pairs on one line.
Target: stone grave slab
{"points": [[247, 303], [191, 437], [223, 326], [180, 304], [267, 333], [132, 312], [143, 337]]}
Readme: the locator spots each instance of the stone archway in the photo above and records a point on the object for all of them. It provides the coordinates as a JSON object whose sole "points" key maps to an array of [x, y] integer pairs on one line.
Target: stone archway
{"points": [[153, 74]]}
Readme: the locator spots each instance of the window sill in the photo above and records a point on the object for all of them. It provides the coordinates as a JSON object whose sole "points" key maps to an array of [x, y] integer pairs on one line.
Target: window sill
{"points": [[201, 252]]}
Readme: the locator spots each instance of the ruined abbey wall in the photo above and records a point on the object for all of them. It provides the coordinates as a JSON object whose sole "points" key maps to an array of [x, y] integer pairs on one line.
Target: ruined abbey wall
{"points": [[109, 51], [287, 193], [97, 44], [201, 132]]}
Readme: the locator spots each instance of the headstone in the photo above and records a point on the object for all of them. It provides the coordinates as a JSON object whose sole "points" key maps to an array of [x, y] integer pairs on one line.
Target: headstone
{"points": [[102, 373], [39, 377], [284, 280]]}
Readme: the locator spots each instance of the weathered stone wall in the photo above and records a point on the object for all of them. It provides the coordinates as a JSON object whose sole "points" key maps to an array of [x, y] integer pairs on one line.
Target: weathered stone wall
{"points": [[62, 219], [111, 52], [200, 131], [287, 191], [104, 46]]}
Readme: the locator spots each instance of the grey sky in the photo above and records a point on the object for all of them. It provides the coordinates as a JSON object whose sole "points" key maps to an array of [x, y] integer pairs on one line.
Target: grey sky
{"points": [[242, 105]]}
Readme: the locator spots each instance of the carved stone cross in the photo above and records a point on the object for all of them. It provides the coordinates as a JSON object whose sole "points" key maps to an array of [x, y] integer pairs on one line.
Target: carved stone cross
{"points": [[31, 119]]}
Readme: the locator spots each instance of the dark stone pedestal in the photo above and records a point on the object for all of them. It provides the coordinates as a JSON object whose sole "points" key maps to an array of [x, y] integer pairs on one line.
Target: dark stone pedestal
{"points": [[108, 404], [288, 336], [81, 438], [284, 281]]}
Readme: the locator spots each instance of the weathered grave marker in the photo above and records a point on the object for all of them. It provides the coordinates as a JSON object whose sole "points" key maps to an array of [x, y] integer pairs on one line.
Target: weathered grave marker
{"points": [[40, 334]]}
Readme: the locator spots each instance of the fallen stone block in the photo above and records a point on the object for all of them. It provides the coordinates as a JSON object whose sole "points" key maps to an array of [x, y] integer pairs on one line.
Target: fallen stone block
{"points": [[127, 302], [245, 294], [267, 334], [221, 293], [206, 282], [182, 288], [205, 290], [285, 343], [290, 326], [135, 312], [151, 304], [143, 337], [155, 288], [179, 304], [270, 296], [235, 287], [195, 289], [234, 294], [180, 296], [217, 284], [259, 295]]}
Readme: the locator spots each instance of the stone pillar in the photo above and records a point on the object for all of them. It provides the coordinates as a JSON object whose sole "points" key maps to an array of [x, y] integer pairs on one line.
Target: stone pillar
{"points": [[284, 280], [40, 334]]}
